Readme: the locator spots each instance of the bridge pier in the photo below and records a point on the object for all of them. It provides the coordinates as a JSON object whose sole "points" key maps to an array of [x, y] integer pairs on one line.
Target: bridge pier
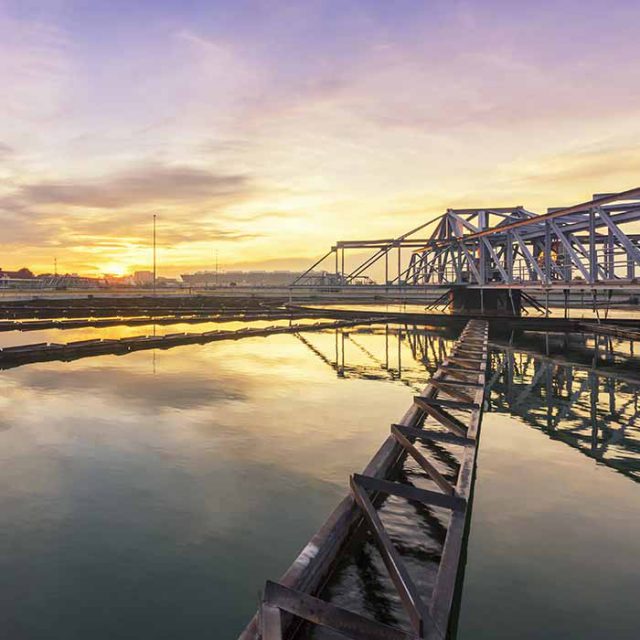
{"points": [[488, 302]]}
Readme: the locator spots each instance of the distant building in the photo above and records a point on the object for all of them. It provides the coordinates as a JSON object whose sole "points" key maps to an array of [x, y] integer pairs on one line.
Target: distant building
{"points": [[142, 278], [250, 278], [161, 281], [118, 281], [20, 274], [22, 278]]}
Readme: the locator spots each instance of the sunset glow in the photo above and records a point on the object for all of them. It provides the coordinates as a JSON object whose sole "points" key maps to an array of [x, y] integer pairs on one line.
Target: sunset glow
{"points": [[115, 269], [267, 130]]}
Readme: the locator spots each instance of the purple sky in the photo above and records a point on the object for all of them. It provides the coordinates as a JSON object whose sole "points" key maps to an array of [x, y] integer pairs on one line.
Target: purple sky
{"points": [[266, 130]]}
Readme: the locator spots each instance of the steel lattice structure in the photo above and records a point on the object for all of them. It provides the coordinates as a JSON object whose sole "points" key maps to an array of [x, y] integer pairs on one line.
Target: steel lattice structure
{"points": [[588, 245]]}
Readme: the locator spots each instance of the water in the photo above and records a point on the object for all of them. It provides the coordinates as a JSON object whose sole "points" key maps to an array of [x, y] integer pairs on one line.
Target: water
{"points": [[553, 549], [579, 309], [16, 338], [150, 495]]}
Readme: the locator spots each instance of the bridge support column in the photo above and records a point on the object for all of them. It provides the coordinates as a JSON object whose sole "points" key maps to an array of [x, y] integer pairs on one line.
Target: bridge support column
{"points": [[489, 302]]}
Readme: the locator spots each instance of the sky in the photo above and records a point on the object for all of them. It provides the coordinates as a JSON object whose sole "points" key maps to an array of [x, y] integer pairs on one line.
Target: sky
{"points": [[264, 130]]}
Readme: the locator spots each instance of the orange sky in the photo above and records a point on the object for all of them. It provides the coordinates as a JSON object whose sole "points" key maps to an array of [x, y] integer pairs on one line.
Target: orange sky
{"points": [[267, 130]]}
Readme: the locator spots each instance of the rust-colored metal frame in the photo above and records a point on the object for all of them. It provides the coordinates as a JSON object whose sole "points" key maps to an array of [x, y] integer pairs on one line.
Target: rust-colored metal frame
{"points": [[462, 373]]}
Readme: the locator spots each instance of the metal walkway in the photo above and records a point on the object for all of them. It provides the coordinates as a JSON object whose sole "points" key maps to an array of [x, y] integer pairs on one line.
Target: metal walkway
{"points": [[448, 412]]}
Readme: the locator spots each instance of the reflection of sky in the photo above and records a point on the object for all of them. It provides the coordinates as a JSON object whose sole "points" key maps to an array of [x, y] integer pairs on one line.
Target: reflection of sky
{"points": [[553, 550], [14, 338], [174, 482], [271, 128], [171, 494]]}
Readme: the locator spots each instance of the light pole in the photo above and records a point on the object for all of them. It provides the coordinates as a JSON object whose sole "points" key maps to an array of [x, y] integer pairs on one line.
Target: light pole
{"points": [[154, 254]]}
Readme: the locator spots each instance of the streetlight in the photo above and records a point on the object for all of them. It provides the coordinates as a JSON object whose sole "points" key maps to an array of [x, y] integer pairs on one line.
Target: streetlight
{"points": [[154, 254]]}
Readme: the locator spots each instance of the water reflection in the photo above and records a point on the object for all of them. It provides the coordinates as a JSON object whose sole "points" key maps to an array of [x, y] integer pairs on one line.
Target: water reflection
{"points": [[16, 338], [554, 383], [581, 389], [169, 484], [147, 505], [590, 411], [391, 353]]}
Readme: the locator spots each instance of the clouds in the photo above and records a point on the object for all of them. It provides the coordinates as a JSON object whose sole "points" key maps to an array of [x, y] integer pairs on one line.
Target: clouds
{"points": [[172, 390], [34, 68], [107, 218], [612, 165], [149, 184], [5, 150], [272, 129]]}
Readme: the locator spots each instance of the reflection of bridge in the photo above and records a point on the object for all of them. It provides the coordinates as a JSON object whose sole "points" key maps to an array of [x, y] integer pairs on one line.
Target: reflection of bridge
{"points": [[587, 246], [391, 363], [574, 402], [595, 410]]}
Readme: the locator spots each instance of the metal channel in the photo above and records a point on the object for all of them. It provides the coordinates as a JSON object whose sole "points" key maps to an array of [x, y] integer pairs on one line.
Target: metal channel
{"points": [[294, 598]]}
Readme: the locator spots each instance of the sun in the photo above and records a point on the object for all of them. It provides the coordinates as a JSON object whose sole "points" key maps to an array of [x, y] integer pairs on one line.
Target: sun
{"points": [[114, 269]]}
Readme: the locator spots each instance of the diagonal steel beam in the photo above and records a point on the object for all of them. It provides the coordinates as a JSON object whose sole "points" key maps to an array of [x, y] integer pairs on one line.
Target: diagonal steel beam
{"points": [[419, 615], [465, 223], [352, 625], [570, 250], [630, 248], [531, 261], [471, 262], [496, 259]]}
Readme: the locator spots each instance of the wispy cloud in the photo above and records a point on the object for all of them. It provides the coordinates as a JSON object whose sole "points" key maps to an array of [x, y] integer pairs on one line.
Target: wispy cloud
{"points": [[275, 128], [6, 150], [612, 165], [150, 184]]}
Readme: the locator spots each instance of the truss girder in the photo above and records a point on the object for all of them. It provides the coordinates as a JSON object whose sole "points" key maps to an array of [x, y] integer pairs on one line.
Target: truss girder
{"points": [[541, 252], [508, 246]]}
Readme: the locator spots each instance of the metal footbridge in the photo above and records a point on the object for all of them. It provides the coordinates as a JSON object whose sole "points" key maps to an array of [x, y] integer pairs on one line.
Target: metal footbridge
{"points": [[593, 245]]}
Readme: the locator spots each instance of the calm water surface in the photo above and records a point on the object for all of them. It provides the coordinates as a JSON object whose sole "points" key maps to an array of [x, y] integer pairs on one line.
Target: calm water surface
{"points": [[150, 495], [15, 338]]}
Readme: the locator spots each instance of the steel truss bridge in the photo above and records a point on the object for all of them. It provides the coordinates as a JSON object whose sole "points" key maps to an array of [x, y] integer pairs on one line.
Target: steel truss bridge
{"points": [[585, 246]]}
